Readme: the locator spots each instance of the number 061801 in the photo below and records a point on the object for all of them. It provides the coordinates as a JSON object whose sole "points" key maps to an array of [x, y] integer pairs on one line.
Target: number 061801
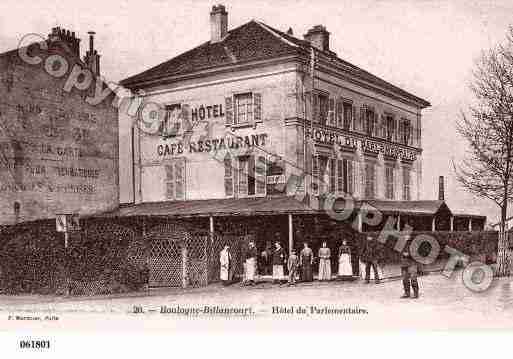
{"points": [[34, 344]]}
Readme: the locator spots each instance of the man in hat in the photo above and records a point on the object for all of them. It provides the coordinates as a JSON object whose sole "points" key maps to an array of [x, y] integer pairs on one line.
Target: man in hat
{"points": [[409, 272], [279, 259], [370, 258], [292, 265]]}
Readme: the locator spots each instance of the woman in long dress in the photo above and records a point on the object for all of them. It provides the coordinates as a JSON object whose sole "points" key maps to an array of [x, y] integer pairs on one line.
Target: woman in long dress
{"points": [[324, 262], [345, 268], [225, 259], [250, 264], [306, 261]]}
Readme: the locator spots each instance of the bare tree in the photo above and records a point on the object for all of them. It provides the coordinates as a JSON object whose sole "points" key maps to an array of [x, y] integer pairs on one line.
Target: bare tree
{"points": [[487, 171]]}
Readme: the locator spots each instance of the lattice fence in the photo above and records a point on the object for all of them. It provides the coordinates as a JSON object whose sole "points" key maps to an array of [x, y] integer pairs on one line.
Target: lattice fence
{"points": [[180, 257]]}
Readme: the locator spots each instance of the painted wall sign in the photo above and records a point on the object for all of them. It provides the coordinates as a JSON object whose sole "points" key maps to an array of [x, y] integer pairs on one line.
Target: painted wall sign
{"points": [[215, 144], [343, 140], [206, 112]]}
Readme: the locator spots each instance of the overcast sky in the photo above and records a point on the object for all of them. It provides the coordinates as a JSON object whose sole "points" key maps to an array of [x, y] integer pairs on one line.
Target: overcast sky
{"points": [[425, 47]]}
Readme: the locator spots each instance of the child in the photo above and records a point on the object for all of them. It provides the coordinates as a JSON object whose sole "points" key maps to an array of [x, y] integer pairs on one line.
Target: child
{"points": [[292, 265]]}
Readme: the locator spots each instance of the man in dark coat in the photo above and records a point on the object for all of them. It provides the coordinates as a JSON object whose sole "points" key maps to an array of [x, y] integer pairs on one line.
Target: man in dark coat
{"points": [[279, 259], [409, 272], [370, 258]]}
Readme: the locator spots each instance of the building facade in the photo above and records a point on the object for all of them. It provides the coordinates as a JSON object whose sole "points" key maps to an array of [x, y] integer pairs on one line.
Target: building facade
{"points": [[256, 112], [58, 151]]}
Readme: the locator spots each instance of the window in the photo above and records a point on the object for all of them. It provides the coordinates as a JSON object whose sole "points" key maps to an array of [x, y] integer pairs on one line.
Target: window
{"points": [[348, 116], [390, 127], [319, 169], [243, 108], [252, 175], [332, 175], [389, 182], [345, 176], [370, 179], [321, 108], [175, 180], [406, 184], [370, 122], [405, 132]]}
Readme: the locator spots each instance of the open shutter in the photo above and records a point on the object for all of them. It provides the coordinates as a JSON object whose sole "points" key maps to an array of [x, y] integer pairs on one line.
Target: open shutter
{"points": [[363, 125], [355, 126], [257, 107], [228, 176], [331, 111], [228, 104], [340, 113], [316, 112], [315, 175], [332, 175], [186, 118], [180, 179], [261, 175], [340, 176], [243, 176], [235, 173], [170, 182]]}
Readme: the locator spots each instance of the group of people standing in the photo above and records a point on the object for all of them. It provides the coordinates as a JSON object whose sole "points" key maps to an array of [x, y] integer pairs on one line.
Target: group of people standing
{"points": [[272, 261]]}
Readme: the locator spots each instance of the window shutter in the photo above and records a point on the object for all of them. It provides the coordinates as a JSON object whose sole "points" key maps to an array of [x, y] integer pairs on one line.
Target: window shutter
{"points": [[316, 112], [228, 176], [228, 104], [186, 118], [331, 111], [235, 174], [355, 119], [180, 179], [340, 113], [243, 177], [261, 175], [257, 107], [332, 175], [315, 175], [340, 176], [351, 177], [363, 127], [170, 182]]}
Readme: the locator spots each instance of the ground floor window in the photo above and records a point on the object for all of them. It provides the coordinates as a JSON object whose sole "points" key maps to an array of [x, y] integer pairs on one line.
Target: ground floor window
{"points": [[175, 180], [389, 182], [406, 184], [370, 179]]}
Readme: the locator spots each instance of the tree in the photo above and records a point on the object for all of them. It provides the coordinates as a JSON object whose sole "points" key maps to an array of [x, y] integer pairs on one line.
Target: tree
{"points": [[487, 171]]}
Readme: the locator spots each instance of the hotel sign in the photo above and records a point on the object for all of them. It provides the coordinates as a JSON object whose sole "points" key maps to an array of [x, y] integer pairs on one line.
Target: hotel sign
{"points": [[333, 138]]}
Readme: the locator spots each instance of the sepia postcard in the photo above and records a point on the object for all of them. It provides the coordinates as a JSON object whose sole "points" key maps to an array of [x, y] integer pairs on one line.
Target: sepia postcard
{"points": [[276, 165]]}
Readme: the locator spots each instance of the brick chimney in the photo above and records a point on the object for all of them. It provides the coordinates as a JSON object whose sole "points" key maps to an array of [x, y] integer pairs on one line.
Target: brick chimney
{"points": [[218, 23], [66, 37], [441, 189], [318, 37], [92, 59]]}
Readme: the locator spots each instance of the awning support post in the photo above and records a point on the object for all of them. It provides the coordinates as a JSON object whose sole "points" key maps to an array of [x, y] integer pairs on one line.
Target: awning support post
{"points": [[291, 234]]}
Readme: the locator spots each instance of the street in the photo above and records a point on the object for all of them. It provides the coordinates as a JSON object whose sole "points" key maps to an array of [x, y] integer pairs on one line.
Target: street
{"points": [[444, 304]]}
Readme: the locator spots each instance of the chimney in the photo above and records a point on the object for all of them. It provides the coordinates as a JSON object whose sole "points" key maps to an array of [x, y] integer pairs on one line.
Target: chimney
{"points": [[441, 190], [218, 23], [66, 37], [92, 59], [318, 37]]}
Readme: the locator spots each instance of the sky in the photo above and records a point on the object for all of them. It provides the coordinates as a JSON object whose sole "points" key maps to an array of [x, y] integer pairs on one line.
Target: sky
{"points": [[428, 48]]}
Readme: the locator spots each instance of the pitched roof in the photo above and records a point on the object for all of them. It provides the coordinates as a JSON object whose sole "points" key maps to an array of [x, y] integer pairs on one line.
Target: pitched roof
{"points": [[253, 41], [264, 206], [426, 207], [214, 207]]}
